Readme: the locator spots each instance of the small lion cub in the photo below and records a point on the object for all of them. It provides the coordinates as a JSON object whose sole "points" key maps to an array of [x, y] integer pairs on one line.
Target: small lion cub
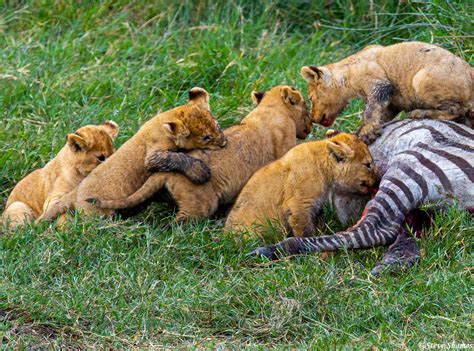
{"points": [[422, 79], [47, 192], [294, 189]]}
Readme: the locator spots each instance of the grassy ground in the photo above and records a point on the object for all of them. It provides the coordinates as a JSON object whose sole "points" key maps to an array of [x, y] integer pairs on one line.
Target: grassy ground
{"points": [[142, 282]]}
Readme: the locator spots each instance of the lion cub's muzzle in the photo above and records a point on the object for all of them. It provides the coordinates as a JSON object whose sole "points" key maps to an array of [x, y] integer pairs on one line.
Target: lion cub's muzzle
{"points": [[219, 143]]}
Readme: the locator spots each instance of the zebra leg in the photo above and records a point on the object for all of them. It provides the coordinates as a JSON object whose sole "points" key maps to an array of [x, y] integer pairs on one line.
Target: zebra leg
{"points": [[404, 252], [375, 228]]}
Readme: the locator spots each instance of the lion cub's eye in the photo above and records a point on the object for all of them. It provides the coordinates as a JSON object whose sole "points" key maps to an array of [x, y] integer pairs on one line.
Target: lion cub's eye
{"points": [[368, 165], [206, 138], [101, 158]]}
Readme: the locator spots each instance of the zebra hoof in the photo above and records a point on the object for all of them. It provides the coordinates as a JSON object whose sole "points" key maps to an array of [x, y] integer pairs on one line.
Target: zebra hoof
{"points": [[402, 254], [396, 261], [268, 252]]}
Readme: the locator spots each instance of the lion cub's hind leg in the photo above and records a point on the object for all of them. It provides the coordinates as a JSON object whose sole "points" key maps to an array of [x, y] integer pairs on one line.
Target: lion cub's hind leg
{"points": [[442, 100], [446, 111], [18, 213], [194, 205]]}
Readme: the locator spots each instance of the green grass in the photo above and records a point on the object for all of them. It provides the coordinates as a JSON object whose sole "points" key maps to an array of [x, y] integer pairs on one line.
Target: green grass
{"points": [[144, 282]]}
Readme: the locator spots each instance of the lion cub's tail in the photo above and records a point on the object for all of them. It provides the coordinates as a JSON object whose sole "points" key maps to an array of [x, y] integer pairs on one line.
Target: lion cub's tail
{"points": [[154, 183]]}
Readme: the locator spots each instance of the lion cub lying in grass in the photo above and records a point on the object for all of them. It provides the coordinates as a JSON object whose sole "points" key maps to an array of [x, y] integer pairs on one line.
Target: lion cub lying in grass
{"points": [[294, 189], [264, 135], [422, 79], [47, 192], [153, 149]]}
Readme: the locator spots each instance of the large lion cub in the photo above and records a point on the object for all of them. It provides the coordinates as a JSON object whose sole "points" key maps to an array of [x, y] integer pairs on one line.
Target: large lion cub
{"points": [[422, 79], [264, 135], [294, 189], [48, 191], [154, 149]]}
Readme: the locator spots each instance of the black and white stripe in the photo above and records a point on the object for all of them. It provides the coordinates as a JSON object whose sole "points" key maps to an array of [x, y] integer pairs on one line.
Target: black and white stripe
{"points": [[422, 161]]}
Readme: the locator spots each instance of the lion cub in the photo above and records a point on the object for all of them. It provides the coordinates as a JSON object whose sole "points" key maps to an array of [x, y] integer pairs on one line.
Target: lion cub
{"points": [[422, 79], [154, 149], [293, 189], [263, 136], [47, 192]]}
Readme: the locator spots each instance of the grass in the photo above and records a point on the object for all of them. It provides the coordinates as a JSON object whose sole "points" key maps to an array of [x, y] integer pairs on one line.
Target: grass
{"points": [[142, 282]]}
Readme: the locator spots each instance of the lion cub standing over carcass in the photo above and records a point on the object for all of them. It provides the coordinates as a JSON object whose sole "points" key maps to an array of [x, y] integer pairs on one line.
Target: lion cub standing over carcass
{"points": [[294, 189], [47, 192], [264, 135], [152, 149], [422, 79]]}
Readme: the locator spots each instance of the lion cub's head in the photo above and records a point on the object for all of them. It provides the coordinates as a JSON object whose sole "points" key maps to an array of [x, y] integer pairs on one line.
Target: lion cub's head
{"points": [[292, 100], [193, 126], [353, 168], [326, 96], [90, 145]]}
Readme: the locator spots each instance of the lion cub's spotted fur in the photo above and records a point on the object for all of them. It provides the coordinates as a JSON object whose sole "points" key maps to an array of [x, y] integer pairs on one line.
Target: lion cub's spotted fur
{"points": [[48, 192], [422, 79], [264, 135], [293, 189], [190, 126]]}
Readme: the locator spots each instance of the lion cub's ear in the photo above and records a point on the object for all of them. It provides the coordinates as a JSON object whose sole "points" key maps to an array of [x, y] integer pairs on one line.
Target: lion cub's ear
{"points": [[77, 142], [312, 73], [290, 96], [339, 150], [176, 129], [111, 128], [257, 96], [200, 97]]}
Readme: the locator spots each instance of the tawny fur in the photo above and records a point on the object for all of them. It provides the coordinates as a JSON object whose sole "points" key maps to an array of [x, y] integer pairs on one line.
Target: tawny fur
{"points": [[293, 190], [47, 192], [422, 79], [264, 135], [188, 127]]}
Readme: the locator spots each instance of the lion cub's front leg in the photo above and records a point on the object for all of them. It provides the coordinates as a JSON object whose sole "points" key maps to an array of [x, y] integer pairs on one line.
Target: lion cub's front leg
{"points": [[52, 209], [168, 161], [57, 205], [303, 213], [376, 112]]}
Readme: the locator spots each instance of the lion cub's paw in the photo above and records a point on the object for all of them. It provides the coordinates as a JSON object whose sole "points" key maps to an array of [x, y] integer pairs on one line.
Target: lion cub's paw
{"points": [[367, 133], [199, 173], [417, 114]]}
